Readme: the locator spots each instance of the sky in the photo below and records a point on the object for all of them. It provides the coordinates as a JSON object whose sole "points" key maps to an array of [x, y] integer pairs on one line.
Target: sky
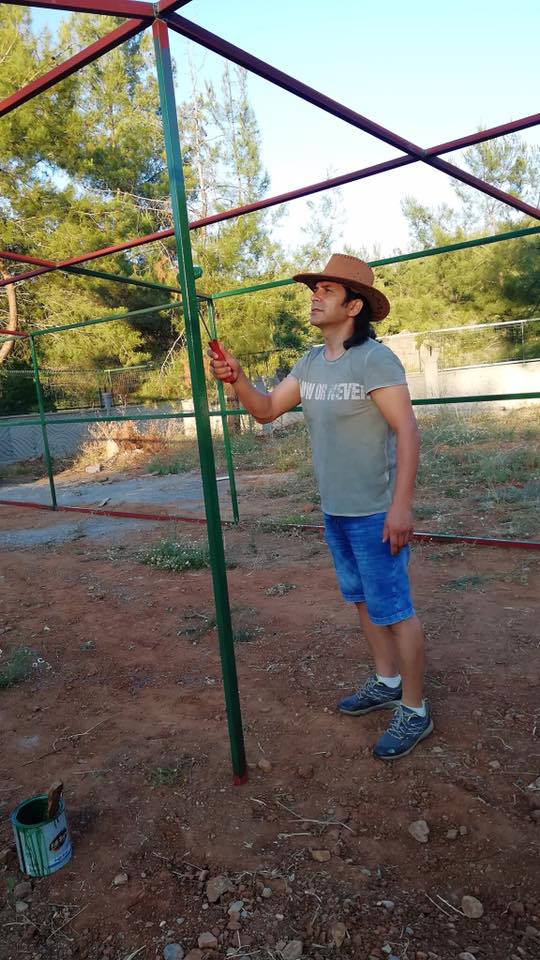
{"points": [[429, 72]]}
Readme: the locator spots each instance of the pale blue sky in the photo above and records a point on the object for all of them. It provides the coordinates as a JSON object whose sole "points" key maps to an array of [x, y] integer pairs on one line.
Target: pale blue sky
{"points": [[429, 71]]}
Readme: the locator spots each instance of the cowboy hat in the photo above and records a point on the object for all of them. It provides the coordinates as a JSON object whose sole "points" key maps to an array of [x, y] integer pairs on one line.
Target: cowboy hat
{"points": [[354, 274]]}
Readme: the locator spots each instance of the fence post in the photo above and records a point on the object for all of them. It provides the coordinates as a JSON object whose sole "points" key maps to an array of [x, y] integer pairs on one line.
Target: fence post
{"points": [[43, 422]]}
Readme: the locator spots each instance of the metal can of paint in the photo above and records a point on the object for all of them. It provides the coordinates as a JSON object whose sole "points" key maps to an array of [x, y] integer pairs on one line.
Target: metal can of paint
{"points": [[43, 845]]}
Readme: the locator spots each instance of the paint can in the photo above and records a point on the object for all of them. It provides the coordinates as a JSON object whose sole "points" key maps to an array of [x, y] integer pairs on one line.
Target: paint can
{"points": [[43, 844]]}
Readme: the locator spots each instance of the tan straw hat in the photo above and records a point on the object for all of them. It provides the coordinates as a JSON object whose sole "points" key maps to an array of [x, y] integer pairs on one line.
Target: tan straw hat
{"points": [[354, 274]]}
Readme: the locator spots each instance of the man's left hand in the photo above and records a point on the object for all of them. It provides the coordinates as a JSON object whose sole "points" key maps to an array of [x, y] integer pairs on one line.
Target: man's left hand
{"points": [[398, 528]]}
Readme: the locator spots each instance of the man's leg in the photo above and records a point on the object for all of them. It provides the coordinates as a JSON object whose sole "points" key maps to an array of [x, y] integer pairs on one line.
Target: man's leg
{"points": [[382, 644], [408, 640]]}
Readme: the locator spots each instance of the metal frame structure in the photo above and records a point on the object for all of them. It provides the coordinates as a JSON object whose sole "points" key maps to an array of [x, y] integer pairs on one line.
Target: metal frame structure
{"points": [[162, 17]]}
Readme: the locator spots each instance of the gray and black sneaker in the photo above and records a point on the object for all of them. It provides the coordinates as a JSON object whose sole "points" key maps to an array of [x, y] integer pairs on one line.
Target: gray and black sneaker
{"points": [[373, 695]]}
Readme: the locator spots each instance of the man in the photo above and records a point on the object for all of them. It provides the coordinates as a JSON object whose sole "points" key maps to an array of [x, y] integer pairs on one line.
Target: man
{"points": [[365, 449]]}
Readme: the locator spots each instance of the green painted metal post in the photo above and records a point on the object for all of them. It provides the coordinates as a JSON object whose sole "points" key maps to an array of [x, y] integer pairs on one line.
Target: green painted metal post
{"points": [[200, 399], [226, 434], [43, 422]]}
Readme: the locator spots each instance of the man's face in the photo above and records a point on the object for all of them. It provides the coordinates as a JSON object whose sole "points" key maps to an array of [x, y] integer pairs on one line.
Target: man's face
{"points": [[329, 307]]}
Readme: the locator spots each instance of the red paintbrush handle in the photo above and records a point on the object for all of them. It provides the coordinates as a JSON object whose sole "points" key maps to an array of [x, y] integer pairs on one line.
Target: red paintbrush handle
{"points": [[215, 347]]}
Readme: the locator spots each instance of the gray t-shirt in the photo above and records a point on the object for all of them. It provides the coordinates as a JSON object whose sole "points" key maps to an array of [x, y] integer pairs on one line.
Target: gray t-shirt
{"points": [[353, 446]]}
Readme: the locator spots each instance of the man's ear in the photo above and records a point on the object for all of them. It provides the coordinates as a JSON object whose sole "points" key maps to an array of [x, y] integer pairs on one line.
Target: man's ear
{"points": [[355, 307]]}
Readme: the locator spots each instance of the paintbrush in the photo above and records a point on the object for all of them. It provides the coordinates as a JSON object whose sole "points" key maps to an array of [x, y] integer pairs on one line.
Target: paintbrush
{"points": [[53, 799]]}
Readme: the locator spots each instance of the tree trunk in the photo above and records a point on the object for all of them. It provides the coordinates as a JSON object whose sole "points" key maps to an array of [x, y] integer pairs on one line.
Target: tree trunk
{"points": [[7, 346]]}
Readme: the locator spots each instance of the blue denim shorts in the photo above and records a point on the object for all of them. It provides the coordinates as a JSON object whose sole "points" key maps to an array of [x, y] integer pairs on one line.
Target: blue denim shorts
{"points": [[366, 570]]}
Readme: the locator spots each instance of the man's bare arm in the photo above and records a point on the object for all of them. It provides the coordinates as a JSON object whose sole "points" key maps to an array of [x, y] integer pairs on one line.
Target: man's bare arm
{"points": [[264, 407], [395, 405]]}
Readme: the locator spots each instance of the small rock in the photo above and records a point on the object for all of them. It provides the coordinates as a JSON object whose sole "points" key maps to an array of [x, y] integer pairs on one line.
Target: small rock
{"points": [[21, 890], [387, 904], [494, 764], [472, 907], [235, 907], [264, 765], [93, 468], [21, 906], [120, 879], [266, 893], [419, 830], [534, 801], [194, 955], [293, 950], [532, 933], [217, 886], [305, 771], [320, 856], [452, 834], [173, 951], [535, 785], [338, 932], [234, 925], [7, 856], [516, 908], [207, 941], [466, 955]]}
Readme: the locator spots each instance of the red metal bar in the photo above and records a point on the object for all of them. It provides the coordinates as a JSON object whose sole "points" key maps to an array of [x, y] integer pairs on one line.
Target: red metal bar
{"points": [[14, 333], [125, 514], [115, 8], [81, 59], [513, 126], [84, 257], [131, 515], [262, 204], [167, 6], [212, 42], [441, 538]]}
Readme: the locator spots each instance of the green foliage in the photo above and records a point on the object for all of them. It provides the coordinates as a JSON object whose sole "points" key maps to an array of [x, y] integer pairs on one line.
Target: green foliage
{"points": [[178, 555], [17, 667]]}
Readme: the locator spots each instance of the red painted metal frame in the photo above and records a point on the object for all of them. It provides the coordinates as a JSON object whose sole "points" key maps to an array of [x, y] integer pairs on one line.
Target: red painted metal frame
{"points": [[111, 8], [125, 514], [168, 6], [228, 50], [14, 333], [419, 536], [478, 137], [81, 59]]}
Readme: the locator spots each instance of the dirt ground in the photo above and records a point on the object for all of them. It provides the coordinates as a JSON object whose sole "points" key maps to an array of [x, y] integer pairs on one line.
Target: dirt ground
{"points": [[313, 857]]}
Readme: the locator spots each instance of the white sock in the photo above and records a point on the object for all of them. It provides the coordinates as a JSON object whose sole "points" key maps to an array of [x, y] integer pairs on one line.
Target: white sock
{"points": [[420, 711], [392, 682]]}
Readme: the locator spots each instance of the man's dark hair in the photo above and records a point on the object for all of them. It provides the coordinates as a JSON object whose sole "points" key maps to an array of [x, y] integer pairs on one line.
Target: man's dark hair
{"points": [[362, 322]]}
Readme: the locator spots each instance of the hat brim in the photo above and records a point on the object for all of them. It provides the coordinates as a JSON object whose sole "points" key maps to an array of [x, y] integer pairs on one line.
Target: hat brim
{"points": [[377, 300]]}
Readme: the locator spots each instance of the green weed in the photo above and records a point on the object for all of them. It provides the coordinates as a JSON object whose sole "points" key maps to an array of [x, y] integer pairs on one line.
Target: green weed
{"points": [[171, 776], [17, 667], [467, 582], [178, 555]]}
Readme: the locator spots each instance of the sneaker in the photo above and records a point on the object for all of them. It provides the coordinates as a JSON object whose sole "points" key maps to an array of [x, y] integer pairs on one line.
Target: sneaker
{"points": [[373, 695], [406, 729]]}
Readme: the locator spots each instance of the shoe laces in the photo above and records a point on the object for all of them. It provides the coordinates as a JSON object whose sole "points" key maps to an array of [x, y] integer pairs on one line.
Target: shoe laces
{"points": [[399, 724]]}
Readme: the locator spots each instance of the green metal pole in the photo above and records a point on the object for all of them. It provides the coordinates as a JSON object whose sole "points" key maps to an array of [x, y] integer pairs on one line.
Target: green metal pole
{"points": [[110, 317], [226, 433], [42, 420], [200, 399]]}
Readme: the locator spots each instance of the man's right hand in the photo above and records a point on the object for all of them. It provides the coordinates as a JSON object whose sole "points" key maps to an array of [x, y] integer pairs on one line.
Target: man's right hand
{"points": [[227, 369]]}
